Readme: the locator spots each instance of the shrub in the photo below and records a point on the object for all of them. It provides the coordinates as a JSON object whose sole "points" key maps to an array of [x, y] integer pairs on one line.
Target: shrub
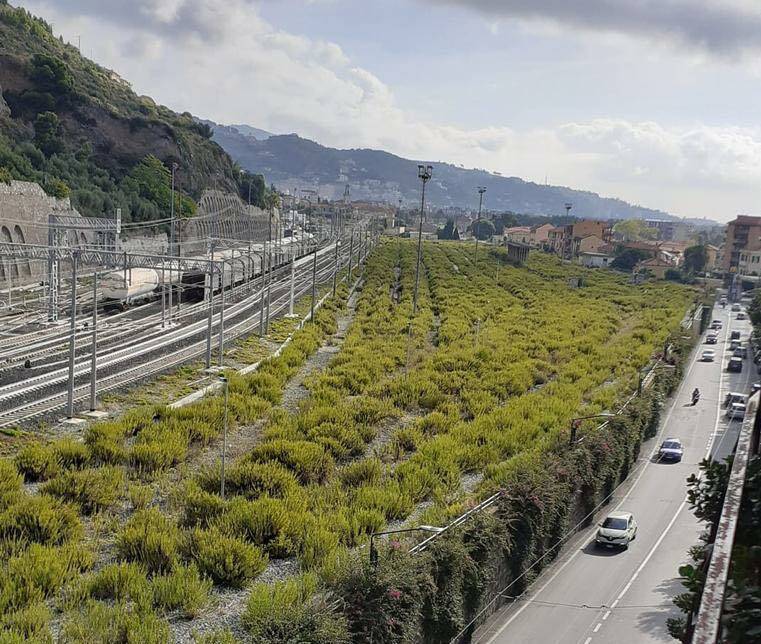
{"points": [[70, 453], [139, 496], [366, 471], [106, 443], [200, 508], [215, 637], [252, 480], [10, 484], [37, 462], [92, 490], [182, 590], [226, 560], [40, 519], [309, 462], [121, 583], [97, 622], [149, 538], [265, 522], [28, 625], [293, 611]]}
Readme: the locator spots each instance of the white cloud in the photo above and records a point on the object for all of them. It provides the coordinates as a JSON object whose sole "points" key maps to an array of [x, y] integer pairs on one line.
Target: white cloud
{"points": [[243, 70]]}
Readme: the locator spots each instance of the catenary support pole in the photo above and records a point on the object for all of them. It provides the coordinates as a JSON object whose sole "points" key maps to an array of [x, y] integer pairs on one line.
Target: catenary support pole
{"points": [[94, 352], [293, 283], [335, 267], [222, 315], [163, 298], [314, 284], [224, 438], [72, 335], [210, 320]]}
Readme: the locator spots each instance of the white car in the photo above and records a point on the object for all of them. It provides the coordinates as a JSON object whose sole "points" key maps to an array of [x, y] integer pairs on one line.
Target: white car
{"points": [[617, 531], [736, 308], [671, 450], [736, 411], [741, 316], [708, 355]]}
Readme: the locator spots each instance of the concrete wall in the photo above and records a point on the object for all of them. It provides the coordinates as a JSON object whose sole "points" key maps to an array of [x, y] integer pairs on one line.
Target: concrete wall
{"points": [[24, 210]]}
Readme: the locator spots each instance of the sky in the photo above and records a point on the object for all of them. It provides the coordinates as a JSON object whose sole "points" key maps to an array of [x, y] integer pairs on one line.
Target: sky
{"points": [[652, 101]]}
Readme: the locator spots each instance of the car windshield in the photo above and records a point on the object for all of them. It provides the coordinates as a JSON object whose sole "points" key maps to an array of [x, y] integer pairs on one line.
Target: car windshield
{"points": [[671, 445], [614, 523]]}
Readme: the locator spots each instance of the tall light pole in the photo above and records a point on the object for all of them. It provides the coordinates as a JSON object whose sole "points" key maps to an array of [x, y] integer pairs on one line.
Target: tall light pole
{"points": [[171, 241], [569, 250], [424, 173], [481, 190]]}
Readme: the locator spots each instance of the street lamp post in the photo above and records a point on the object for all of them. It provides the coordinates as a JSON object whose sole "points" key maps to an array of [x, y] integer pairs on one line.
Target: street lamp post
{"points": [[481, 190], [172, 250], [225, 386], [576, 423], [420, 528], [424, 173]]}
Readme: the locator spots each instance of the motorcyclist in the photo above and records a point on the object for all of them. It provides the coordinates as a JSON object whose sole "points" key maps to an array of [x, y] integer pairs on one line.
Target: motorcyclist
{"points": [[695, 395]]}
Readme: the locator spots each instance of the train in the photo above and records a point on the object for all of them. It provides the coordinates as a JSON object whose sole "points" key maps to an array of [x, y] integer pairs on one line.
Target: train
{"points": [[120, 290]]}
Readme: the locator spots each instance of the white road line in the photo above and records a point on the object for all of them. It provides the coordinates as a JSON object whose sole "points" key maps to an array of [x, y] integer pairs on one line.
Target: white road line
{"points": [[597, 628], [588, 640], [607, 614]]}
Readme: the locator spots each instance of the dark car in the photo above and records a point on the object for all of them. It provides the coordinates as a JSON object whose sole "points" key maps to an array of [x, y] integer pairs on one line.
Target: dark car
{"points": [[671, 450], [735, 335], [735, 365]]}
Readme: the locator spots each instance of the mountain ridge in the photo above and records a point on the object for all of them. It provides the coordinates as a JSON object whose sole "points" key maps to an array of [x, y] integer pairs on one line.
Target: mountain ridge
{"points": [[290, 161]]}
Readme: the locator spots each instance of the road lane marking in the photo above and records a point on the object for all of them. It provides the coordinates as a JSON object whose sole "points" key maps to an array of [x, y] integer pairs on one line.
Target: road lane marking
{"points": [[597, 628], [588, 640], [607, 614]]}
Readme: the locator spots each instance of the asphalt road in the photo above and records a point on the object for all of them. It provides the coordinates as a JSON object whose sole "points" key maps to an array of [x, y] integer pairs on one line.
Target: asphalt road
{"points": [[591, 596]]}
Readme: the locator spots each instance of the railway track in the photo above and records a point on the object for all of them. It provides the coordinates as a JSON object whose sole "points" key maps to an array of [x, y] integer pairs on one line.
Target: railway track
{"points": [[45, 394]]}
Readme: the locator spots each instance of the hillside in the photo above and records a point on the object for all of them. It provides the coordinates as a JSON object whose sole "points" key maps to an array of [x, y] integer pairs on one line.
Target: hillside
{"points": [[78, 129], [291, 161]]}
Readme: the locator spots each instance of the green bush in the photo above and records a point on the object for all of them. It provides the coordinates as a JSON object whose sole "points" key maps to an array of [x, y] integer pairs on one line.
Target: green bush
{"points": [[216, 637], [251, 480], [70, 453], [40, 520], [265, 522], [106, 443], [28, 625], [10, 484], [182, 590], [122, 583], [367, 471], [225, 560], [309, 462], [200, 508], [100, 623], [37, 462], [92, 489], [293, 612], [149, 538]]}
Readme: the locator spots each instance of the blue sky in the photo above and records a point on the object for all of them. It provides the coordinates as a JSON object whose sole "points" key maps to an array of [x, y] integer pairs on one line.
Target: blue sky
{"points": [[654, 101]]}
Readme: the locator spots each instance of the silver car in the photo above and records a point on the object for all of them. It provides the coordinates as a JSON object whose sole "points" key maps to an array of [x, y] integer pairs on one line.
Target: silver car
{"points": [[671, 450], [617, 531]]}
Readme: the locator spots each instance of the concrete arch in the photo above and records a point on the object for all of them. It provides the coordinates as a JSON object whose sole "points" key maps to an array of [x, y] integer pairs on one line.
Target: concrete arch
{"points": [[25, 265], [6, 237]]}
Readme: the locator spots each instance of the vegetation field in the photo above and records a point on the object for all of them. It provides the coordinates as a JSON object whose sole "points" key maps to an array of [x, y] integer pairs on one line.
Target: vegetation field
{"points": [[125, 537]]}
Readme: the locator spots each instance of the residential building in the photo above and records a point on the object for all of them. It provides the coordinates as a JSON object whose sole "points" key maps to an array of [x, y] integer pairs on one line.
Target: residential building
{"points": [[749, 264], [540, 235], [517, 252], [656, 266], [591, 259], [519, 234], [567, 243], [713, 257], [743, 234], [589, 244], [556, 239]]}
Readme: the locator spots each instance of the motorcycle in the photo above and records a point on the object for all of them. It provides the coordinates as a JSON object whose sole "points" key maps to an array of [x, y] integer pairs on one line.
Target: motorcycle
{"points": [[695, 397]]}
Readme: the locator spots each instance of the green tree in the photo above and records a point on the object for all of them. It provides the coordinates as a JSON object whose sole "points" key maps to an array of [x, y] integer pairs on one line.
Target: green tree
{"points": [[449, 231], [483, 229], [628, 259], [48, 133], [695, 259], [635, 230], [51, 75], [5, 175]]}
